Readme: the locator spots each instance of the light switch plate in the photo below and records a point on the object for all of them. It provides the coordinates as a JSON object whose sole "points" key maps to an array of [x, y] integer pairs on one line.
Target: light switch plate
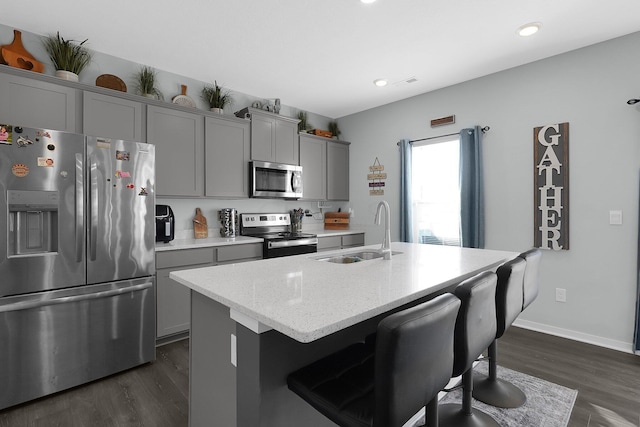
{"points": [[615, 217]]}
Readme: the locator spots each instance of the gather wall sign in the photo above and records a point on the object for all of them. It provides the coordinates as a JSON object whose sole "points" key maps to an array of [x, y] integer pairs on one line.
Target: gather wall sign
{"points": [[376, 178], [551, 186]]}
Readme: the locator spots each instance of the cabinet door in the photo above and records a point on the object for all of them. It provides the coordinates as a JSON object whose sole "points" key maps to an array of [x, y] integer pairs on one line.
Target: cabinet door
{"points": [[111, 117], [173, 306], [263, 131], [33, 103], [286, 142], [313, 159], [227, 158], [179, 140], [337, 171]]}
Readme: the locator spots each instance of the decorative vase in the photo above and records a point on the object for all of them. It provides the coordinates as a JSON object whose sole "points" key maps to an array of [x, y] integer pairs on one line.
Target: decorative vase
{"points": [[217, 110], [67, 75]]}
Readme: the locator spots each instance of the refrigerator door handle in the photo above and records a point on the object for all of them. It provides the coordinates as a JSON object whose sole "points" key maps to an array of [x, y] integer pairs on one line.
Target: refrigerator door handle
{"points": [[79, 208], [93, 209], [26, 305]]}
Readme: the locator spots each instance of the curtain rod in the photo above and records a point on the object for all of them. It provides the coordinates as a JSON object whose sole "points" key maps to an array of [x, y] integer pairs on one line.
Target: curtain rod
{"points": [[484, 129]]}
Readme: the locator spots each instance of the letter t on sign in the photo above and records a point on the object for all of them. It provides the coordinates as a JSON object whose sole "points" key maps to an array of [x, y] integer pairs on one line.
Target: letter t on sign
{"points": [[551, 186]]}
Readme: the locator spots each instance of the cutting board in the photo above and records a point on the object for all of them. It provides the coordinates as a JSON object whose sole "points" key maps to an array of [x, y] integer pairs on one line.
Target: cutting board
{"points": [[336, 220], [15, 55], [200, 229]]}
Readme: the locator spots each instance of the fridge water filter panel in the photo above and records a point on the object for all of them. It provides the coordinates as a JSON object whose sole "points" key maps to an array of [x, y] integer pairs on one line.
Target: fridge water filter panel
{"points": [[33, 222]]}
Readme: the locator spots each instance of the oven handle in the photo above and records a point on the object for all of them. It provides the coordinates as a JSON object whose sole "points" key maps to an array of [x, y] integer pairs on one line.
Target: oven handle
{"points": [[295, 242]]}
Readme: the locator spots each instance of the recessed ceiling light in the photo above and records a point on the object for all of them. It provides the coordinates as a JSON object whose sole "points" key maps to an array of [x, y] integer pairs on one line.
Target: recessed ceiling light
{"points": [[380, 82], [367, 1], [529, 29]]}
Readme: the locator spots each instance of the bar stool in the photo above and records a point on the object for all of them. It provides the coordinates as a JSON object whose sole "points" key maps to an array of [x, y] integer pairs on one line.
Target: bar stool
{"points": [[509, 296], [411, 363], [531, 276], [475, 330]]}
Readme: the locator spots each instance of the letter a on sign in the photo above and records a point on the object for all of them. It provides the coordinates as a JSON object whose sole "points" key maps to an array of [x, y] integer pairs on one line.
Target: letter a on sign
{"points": [[551, 186]]}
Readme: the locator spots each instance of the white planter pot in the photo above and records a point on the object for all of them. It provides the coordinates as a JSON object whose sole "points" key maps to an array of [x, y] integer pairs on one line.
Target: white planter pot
{"points": [[67, 75], [149, 95], [218, 110]]}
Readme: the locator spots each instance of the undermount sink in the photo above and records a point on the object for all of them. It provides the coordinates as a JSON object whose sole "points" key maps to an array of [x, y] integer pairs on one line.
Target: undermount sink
{"points": [[352, 257]]}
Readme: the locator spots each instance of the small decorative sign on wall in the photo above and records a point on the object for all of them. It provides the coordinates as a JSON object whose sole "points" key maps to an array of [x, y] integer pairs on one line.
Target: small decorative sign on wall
{"points": [[551, 186], [377, 177]]}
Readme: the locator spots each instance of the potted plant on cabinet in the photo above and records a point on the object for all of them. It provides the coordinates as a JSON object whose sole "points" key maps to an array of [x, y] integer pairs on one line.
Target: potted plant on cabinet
{"points": [[146, 83], [216, 97], [333, 128], [303, 125], [68, 57]]}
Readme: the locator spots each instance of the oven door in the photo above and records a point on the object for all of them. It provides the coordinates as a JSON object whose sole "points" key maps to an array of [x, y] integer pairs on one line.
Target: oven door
{"points": [[280, 248]]}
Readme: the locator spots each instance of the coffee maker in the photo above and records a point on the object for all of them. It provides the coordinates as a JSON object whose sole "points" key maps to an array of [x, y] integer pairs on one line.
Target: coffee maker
{"points": [[165, 223]]}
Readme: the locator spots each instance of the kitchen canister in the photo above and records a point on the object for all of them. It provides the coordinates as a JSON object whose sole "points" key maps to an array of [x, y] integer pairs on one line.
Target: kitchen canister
{"points": [[228, 222]]}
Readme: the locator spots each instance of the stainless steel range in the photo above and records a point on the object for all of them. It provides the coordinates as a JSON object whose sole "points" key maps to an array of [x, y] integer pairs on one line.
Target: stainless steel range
{"points": [[275, 229]]}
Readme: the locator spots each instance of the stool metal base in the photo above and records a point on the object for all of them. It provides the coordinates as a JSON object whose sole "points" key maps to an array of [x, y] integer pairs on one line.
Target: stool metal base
{"points": [[497, 392], [452, 415]]}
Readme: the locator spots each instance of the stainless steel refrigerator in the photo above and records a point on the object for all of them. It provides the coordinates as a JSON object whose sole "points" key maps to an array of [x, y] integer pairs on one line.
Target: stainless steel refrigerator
{"points": [[77, 260]]}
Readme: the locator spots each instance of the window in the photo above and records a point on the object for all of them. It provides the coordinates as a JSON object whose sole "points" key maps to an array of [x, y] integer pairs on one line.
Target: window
{"points": [[436, 191]]}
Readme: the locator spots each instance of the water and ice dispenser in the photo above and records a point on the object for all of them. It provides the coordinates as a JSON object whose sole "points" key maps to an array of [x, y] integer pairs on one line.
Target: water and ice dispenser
{"points": [[33, 222]]}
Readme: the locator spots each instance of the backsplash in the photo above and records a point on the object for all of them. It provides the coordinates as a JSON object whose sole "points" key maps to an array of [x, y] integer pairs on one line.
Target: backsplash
{"points": [[185, 209]]}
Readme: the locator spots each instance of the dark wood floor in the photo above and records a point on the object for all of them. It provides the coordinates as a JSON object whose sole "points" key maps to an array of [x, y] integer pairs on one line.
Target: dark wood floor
{"points": [[156, 394]]}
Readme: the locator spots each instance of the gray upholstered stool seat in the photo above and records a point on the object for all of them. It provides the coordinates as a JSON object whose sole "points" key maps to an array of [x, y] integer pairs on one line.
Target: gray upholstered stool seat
{"points": [[491, 389], [385, 384], [475, 330]]}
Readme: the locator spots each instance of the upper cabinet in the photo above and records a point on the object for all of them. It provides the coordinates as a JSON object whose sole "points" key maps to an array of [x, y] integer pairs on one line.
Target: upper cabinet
{"points": [[179, 140], [313, 159], [274, 138], [325, 168], [112, 117], [39, 104], [227, 152], [337, 170]]}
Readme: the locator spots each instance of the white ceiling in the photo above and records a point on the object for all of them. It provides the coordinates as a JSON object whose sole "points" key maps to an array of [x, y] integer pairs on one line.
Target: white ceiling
{"points": [[323, 55]]}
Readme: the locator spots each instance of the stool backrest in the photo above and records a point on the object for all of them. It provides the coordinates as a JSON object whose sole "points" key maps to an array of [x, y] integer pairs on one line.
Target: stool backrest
{"points": [[413, 358], [531, 276], [509, 293], [476, 323]]}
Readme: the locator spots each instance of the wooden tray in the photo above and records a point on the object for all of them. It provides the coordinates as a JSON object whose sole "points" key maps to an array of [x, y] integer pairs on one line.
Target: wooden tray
{"points": [[321, 132], [15, 55], [111, 82]]}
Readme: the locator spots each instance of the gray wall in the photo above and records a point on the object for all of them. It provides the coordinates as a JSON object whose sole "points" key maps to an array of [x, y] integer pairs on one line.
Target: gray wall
{"points": [[587, 88]]}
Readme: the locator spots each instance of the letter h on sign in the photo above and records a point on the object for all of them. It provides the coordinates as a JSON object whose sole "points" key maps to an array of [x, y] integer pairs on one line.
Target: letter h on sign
{"points": [[551, 186]]}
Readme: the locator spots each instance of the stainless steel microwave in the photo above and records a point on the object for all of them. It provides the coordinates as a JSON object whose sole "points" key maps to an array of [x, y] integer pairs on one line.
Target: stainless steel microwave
{"points": [[275, 180]]}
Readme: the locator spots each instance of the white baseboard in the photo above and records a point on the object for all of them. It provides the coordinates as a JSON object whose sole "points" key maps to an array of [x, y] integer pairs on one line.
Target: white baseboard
{"points": [[576, 336]]}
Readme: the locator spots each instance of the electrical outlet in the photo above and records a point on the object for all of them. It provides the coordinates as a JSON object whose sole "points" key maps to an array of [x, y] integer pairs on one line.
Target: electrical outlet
{"points": [[561, 295]]}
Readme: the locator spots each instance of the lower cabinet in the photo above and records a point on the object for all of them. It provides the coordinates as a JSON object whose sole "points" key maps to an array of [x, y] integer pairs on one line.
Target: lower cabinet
{"points": [[173, 300], [332, 243]]}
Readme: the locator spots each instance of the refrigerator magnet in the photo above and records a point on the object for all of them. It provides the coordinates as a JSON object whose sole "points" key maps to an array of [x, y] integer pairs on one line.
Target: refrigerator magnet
{"points": [[131, 186], [20, 170], [45, 162], [44, 133], [5, 134], [122, 155], [143, 192], [24, 142]]}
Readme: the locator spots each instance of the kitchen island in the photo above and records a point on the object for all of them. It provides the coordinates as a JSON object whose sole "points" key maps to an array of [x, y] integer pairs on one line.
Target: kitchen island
{"points": [[254, 323]]}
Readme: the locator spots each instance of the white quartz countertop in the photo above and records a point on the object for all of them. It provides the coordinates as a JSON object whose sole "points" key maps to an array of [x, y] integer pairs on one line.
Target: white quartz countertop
{"points": [[191, 243], [307, 299]]}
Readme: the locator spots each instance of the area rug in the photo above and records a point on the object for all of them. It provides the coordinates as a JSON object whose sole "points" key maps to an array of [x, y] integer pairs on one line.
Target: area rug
{"points": [[547, 405]]}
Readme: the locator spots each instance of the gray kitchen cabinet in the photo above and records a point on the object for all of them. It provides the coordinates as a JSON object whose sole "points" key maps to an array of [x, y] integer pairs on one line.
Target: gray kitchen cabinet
{"points": [[227, 154], [111, 117], [179, 140], [331, 243], [40, 104], [239, 253], [337, 170], [173, 300], [313, 159], [173, 309], [273, 137]]}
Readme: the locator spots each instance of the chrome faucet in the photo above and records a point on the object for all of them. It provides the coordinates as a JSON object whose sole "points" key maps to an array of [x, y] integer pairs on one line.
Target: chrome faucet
{"points": [[385, 249]]}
